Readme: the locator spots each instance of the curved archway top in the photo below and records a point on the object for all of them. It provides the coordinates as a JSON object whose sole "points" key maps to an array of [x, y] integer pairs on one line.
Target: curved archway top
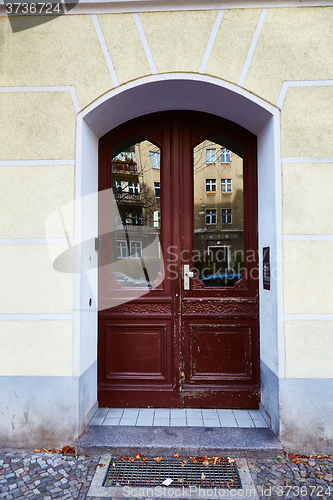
{"points": [[181, 91]]}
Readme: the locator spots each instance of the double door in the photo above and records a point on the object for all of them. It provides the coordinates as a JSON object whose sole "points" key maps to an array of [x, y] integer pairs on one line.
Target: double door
{"points": [[178, 269]]}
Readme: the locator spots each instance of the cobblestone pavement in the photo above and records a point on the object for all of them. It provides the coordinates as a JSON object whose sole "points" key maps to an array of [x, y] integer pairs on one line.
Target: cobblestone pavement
{"points": [[26, 474], [290, 476]]}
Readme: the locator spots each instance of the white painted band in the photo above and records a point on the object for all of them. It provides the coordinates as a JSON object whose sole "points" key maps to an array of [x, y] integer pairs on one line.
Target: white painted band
{"points": [[105, 50], [252, 47], [35, 241], [304, 83], [308, 159], [35, 163], [307, 237], [308, 317], [211, 41], [63, 88], [36, 317], [145, 44]]}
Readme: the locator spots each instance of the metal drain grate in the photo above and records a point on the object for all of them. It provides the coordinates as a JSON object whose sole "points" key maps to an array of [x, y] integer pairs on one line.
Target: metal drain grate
{"points": [[149, 473]]}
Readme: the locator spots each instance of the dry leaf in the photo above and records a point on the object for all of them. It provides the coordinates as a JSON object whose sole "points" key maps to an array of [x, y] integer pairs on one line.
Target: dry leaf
{"points": [[138, 455], [130, 459], [206, 462], [231, 460], [100, 465], [113, 464], [177, 456], [121, 458], [45, 449], [37, 450], [203, 476], [184, 462], [158, 459]]}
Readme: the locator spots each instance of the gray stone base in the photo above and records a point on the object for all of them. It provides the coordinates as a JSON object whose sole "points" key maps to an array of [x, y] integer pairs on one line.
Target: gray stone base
{"points": [[45, 412], [306, 407]]}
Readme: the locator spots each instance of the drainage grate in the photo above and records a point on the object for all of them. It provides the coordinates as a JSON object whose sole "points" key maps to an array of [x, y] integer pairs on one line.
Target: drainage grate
{"points": [[147, 472]]}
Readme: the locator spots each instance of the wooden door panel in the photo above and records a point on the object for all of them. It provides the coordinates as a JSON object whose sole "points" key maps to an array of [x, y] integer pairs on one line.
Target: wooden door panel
{"points": [[136, 352], [219, 353]]}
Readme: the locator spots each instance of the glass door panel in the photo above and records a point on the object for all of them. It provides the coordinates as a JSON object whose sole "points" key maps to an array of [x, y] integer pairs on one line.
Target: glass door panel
{"points": [[218, 212], [135, 165]]}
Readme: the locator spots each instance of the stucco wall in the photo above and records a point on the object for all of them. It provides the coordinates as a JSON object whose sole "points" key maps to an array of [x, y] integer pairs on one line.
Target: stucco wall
{"points": [[51, 72]]}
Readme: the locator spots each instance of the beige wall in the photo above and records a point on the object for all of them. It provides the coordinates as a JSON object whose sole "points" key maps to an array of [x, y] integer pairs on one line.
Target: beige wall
{"points": [[293, 45]]}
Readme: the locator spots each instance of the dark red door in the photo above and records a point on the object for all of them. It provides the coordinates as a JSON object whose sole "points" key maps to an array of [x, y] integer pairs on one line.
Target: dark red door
{"points": [[178, 284]]}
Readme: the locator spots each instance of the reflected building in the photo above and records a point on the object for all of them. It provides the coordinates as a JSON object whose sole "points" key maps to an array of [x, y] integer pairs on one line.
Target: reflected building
{"points": [[218, 212]]}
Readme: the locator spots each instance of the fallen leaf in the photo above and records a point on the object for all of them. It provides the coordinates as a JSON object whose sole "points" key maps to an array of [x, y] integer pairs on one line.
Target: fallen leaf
{"points": [[121, 458], [138, 456], [184, 462], [113, 464], [130, 459], [100, 465], [216, 460], [177, 456], [37, 450], [158, 459], [231, 460], [87, 456], [45, 449], [321, 477], [206, 462], [203, 476]]}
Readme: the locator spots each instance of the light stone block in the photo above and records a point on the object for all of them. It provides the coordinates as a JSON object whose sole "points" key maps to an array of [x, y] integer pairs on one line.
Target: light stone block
{"points": [[37, 126], [36, 348], [29, 194], [307, 277], [125, 46], [232, 43], [306, 122], [308, 349], [65, 51], [294, 44], [30, 285], [307, 203], [178, 40]]}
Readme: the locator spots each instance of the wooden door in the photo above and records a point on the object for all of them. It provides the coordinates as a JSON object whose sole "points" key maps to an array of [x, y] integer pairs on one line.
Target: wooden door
{"points": [[184, 188]]}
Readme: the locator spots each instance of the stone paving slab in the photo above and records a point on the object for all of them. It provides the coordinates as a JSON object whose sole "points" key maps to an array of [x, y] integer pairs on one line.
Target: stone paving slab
{"points": [[26, 474]]}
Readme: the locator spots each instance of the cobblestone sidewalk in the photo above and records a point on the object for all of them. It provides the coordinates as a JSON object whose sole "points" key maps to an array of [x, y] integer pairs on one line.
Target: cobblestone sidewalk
{"points": [[290, 476], [25, 474]]}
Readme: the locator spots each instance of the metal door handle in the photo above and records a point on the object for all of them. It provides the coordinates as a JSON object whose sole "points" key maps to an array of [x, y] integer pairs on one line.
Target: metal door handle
{"points": [[187, 275]]}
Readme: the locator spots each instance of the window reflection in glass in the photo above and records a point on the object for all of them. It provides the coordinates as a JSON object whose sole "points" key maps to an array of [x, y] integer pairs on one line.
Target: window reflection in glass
{"points": [[218, 212], [135, 167]]}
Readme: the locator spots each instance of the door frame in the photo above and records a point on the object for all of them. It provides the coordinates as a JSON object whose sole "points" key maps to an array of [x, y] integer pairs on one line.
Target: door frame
{"points": [[197, 93]]}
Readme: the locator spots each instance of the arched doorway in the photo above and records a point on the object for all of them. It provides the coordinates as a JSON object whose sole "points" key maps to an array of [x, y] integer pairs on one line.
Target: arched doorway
{"points": [[185, 182], [199, 93]]}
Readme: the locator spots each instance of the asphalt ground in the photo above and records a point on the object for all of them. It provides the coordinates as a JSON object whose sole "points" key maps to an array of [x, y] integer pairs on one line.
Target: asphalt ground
{"points": [[31, 474]]}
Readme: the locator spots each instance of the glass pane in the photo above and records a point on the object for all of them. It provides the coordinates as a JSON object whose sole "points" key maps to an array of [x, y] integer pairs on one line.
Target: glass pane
{"points": [[136, 185], [218, 214]]}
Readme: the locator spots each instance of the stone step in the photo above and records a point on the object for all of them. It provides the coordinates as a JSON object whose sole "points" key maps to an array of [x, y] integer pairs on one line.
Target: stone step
{"points": [[166, 441]]}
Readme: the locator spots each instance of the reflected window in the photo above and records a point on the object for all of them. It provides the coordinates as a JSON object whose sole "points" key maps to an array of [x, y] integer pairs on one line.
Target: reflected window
{"points": [[210, 155], [157, 189], [225, 155], [210, 217], [210, 185], [226, 186], [121, 247], [226, 216], [136, 249], [157, 218], [155, 159]]}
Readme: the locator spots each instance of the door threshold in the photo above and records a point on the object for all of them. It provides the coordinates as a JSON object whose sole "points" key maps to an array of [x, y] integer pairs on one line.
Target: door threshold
{"points": [[167, 441], [189, 417]]}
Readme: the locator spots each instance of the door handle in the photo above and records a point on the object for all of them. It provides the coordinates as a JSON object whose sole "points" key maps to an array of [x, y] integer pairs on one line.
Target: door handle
{"points": [[187, 275]]}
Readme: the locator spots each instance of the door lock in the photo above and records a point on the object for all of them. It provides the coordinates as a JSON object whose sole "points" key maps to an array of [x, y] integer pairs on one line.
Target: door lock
{"points": [[187, 275]]}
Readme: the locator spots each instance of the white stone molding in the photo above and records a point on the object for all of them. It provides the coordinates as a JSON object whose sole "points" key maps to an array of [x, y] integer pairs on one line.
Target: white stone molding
{"points": [[302, 83]]}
